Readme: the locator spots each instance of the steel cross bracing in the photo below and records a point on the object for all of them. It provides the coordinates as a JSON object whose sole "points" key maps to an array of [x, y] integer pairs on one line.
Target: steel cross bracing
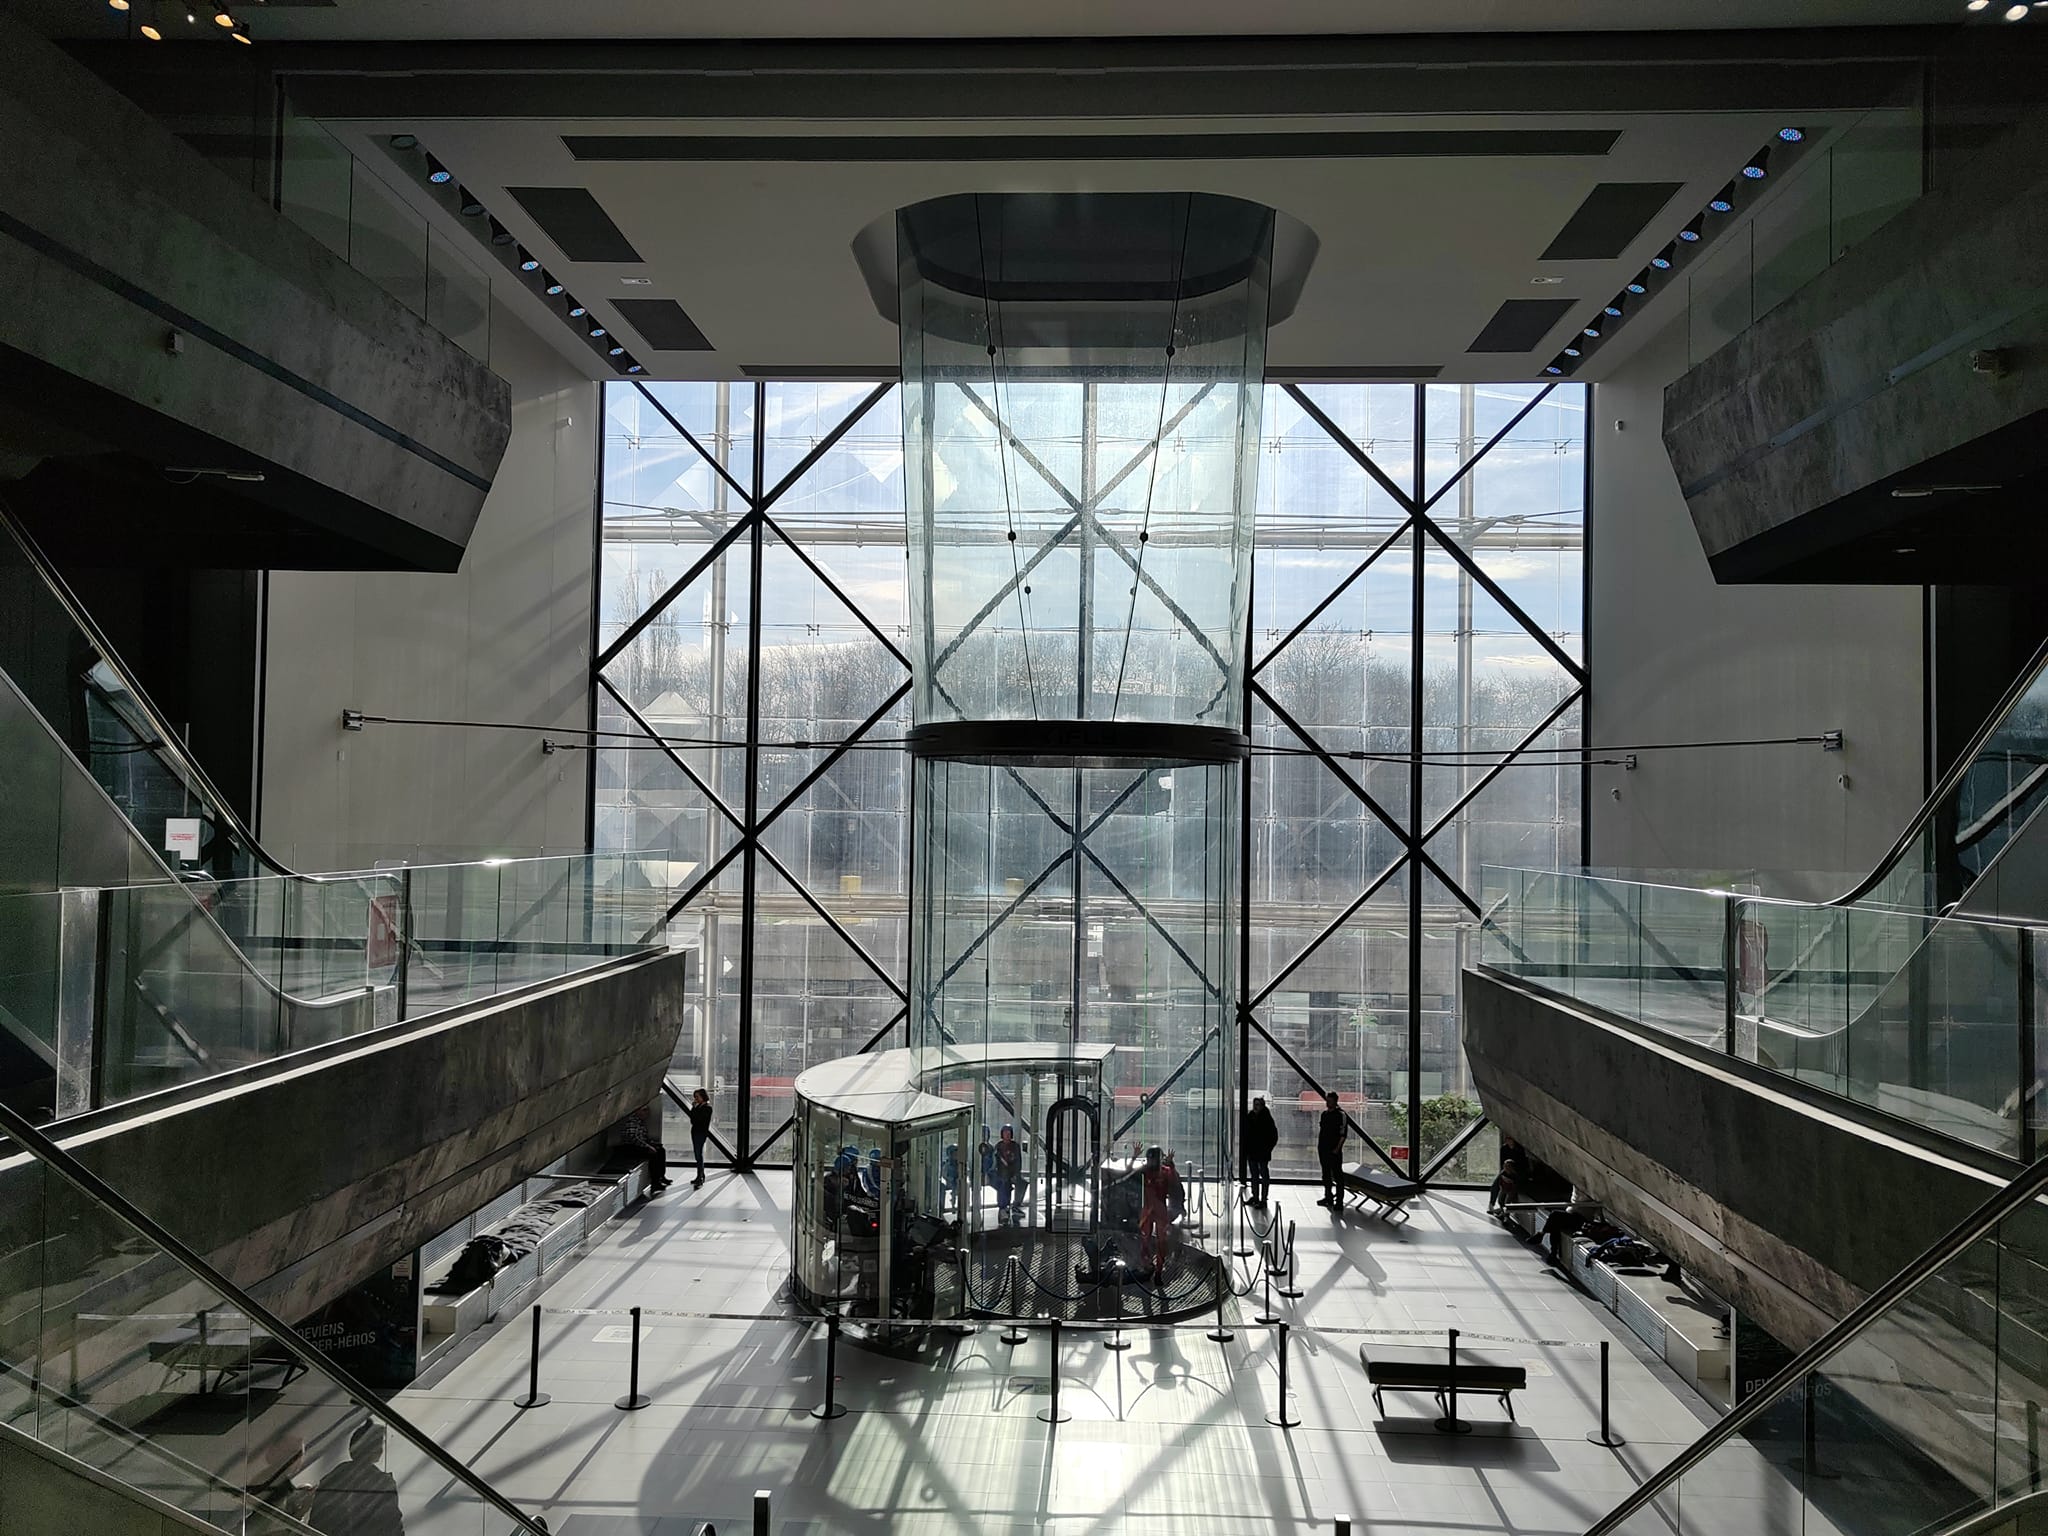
{"points": [[1414, 530]]}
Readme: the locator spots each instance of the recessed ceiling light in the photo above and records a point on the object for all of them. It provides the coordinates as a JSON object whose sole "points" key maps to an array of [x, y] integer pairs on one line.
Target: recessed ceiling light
{"points": [[1540, 282], [223, 19], [1794, 135], [1758, 165], [122, 5], [576, 311], [1691, 232], [2014, 13], [1639, 284], [402, 141], [1552, 368], [637, 282], [151, 33], [550, 284]]}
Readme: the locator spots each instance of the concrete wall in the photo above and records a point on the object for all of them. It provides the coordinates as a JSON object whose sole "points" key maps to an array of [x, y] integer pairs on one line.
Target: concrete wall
{"points": [[1676, 657], [506, 638], [1786, 1205]]}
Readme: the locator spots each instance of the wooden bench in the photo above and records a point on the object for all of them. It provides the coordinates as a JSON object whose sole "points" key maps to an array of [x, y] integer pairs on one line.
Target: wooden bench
{"points": [[1429, 1370], [1388, 1191]]}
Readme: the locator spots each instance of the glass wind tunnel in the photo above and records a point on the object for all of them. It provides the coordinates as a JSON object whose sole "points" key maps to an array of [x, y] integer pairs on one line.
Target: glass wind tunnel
{"points": [[1082, 378]]}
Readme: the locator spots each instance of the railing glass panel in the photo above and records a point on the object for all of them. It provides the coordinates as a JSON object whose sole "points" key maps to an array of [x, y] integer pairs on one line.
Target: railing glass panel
{"points": [[1920, 1410], [119, 1352], [1929, 1019]]}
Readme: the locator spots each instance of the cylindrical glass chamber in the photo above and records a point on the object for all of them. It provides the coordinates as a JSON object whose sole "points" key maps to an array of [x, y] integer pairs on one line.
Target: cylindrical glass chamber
{"points": [[1082, 376]]}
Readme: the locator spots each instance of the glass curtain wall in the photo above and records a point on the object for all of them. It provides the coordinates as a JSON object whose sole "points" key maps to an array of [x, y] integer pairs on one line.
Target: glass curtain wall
{"points": [[1415, 706]]}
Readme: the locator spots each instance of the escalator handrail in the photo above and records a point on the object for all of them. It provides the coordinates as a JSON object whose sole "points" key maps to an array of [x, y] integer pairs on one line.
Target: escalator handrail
{"points": [[2024, 1187], [47, 1152], [165, 740], [1946, 787]]}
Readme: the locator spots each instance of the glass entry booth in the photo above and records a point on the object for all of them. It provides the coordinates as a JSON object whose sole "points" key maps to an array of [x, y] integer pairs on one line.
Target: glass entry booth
{"points": [[876, 1230]]}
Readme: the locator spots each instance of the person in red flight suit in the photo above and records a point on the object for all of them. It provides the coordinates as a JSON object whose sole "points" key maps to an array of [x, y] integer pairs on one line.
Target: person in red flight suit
{"points": [[1162, 1196]]}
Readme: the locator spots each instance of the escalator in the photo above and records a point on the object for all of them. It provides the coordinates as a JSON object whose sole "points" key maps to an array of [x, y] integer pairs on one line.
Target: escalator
{"points": [[1934, 948], [147, 939], [124, 1356], [1918, 1412], [64, 666]]}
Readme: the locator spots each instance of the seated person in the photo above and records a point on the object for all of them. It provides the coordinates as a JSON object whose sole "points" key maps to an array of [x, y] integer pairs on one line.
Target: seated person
{"points": [[1514, 1169]]}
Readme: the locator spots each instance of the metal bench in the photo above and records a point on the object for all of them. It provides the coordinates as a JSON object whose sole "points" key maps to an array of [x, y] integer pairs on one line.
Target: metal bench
{"points": [[1389, 1191], [1420, 1370]]}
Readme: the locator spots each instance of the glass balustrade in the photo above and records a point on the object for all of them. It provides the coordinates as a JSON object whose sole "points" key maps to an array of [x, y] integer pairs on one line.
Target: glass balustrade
{"points": [[1921, 1414], [120, 1353], [1928, 1018], [108, 994]]}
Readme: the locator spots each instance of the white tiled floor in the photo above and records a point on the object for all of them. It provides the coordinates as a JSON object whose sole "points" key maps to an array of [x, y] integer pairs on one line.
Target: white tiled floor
{"points": [[1169, 1437]]}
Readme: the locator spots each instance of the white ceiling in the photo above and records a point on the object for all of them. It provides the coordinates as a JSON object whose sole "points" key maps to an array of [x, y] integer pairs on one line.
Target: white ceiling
{"points": [[529, 19], [1416, 253]]}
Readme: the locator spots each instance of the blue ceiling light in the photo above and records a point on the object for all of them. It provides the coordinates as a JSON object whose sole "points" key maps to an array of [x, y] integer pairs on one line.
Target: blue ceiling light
{"points": [[1723, 200], [1691, 232], [1573, 352], [615, 350], [1552, 368], [632, 367], [550, 284], [1593, 331], [1614, 310], [1662, 260], [596, 331], [438, 173], [1792, 135], [527, 262], [576, 311], [1640, 284], [1758, 165]]}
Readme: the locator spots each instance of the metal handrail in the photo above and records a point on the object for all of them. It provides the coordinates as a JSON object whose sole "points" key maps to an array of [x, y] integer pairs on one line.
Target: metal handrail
{"points": [[166, 740], [1986, 1217], [1999, 1514], [1958, 770], [47, 1152]]}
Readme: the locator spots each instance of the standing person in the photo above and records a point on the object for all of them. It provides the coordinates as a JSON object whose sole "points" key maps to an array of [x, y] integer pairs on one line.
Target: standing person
{"points": [[1159, 1184], [359, 1498], [633, 1134], [1261, 1135], [700, 1131], [1009, 1163], [1330, 1149]]}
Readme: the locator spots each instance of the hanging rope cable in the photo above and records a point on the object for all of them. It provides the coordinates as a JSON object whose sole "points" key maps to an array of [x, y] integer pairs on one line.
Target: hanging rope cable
{"points": [[995, 388], [1158, 453]]}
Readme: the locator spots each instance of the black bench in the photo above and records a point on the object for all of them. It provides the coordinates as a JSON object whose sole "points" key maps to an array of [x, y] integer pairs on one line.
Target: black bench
{"points": [[1429, 1370], [1389, 1191]]}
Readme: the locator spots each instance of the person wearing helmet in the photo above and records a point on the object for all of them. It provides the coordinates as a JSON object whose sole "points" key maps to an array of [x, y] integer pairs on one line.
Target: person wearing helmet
{"points": [[1009, 1165]]}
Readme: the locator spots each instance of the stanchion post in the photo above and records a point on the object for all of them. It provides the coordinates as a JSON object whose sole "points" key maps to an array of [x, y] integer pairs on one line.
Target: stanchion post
{"points": [[1052, 1414], [760, 1512], [1288, 1289], [633, 1398], [1450, 1423], [1268, 1317], [1605, 1435], [535, 1398], [1280, 1418], [1013, 1278], [831, 1408], [1340, 1528], [1221, 1333]]}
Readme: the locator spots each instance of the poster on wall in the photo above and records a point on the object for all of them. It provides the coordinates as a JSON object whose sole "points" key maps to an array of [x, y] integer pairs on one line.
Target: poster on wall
{"points": [[374, 1329]]}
